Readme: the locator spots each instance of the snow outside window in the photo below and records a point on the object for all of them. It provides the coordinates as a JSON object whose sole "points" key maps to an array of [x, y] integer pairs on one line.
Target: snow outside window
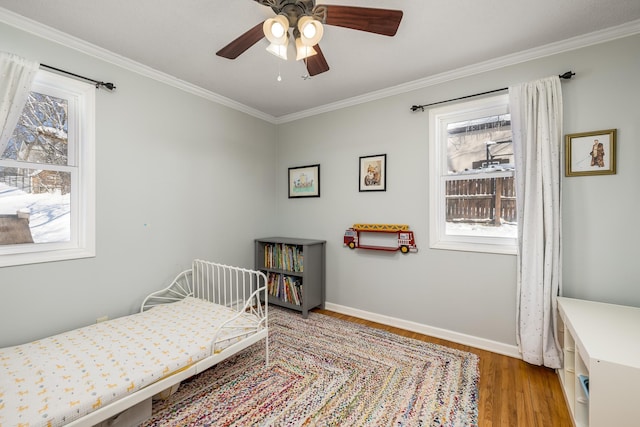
{"points": [[472, 177], [47, 175]]}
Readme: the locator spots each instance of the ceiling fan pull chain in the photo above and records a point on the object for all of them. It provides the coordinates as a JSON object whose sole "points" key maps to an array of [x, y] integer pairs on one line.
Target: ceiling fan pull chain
{"points": [[306, 75]]}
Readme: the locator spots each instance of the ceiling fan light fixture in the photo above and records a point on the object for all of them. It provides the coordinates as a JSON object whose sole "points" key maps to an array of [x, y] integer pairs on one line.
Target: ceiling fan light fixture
{"points": [[279, 50], [276, 29], [303, 51], [311, 30]]}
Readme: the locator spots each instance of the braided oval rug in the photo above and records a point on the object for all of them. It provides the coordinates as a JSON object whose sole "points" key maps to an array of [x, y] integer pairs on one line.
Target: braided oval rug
{"points": [[325, 371]]}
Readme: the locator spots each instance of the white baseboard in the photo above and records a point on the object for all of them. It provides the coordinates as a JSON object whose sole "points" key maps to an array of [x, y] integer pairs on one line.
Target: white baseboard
{"points": [[480, 343]]}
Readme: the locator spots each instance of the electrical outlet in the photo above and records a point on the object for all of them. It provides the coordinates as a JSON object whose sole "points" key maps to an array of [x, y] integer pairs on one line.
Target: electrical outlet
{"points": [[102, 319]]}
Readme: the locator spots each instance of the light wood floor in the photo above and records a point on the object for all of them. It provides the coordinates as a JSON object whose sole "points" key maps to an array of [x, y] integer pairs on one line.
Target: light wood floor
{"points": [[512, 393]]}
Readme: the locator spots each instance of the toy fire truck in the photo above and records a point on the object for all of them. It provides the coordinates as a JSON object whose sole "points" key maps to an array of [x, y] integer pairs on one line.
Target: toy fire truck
{"points": [[396, 237]]}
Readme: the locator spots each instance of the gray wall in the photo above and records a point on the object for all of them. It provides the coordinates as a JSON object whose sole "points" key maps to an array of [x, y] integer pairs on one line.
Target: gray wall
{"points": [[601, 233], [200, 176], [468, 293]]}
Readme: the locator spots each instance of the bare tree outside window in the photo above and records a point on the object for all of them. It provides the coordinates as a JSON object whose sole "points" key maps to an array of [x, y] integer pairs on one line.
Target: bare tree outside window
{"points": [[41, 133], [34, 185]]}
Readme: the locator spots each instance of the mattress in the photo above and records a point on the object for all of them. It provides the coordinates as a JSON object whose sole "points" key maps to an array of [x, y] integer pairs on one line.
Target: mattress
{"points": [[55, 380]]}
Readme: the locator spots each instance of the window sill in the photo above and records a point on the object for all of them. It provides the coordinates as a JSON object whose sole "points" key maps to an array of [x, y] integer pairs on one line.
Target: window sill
{"points": [[475, 247], [9, 260]]}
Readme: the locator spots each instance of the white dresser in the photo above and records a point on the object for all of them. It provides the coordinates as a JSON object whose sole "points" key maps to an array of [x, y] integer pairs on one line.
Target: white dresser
{"points": [[600, 342]]}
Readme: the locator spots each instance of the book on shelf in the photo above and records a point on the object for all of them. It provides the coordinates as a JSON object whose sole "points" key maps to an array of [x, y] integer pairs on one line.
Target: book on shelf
{"points": [[283, 257], [285, 288]]}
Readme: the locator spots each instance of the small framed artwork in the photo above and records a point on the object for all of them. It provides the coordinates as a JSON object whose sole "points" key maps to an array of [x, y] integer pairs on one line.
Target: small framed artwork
{"points": [[304, 181], [590, 153], [373, 173]]}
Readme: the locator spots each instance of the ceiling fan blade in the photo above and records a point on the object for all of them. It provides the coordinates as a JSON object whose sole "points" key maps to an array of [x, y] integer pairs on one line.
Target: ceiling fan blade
{"points": [[317, 64], [242, 43], [378, 21]]}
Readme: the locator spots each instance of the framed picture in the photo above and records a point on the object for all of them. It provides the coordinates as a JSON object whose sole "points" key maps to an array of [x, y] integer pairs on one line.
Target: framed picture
{"points": [[590, 153], [373, 173], [304, 181]]}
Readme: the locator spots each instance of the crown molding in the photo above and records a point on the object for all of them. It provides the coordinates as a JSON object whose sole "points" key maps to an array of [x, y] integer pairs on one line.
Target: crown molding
{"points": [[585, 40], [56, 36], [75, 43]]}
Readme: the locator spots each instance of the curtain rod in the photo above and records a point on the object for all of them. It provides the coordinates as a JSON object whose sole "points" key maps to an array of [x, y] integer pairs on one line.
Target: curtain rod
{"points": [[566, 75], [98, 84]]}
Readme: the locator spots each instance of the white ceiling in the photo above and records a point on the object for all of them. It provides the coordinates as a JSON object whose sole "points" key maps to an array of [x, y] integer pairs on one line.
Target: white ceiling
{"points": [[435, 36]]}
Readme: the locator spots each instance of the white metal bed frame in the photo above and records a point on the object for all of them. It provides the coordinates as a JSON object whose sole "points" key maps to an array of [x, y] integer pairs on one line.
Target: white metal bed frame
{"points": [[233, 287]]}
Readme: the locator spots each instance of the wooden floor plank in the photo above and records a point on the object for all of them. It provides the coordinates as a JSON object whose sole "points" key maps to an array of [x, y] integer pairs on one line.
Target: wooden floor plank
{"points": [[512, 393]]}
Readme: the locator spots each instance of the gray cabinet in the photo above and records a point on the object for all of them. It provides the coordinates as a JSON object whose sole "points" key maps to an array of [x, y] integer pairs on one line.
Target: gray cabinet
{"points": [[295, 270]]}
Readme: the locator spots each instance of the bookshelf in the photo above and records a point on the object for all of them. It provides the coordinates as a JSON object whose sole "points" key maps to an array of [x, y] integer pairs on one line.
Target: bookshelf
{"points": [[295, 270], [601, 344]]}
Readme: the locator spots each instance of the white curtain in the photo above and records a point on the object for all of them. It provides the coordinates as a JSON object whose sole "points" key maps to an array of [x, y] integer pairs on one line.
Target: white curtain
{"points": [[16, 77], [536, 122]]}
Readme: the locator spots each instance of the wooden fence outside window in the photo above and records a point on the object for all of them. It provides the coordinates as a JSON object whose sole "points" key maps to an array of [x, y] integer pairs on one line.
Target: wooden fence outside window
{"points": [[477, 200]]}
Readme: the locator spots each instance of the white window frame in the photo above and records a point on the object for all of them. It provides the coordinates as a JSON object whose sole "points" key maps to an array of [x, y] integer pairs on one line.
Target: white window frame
{"points": [[439, 118], [81, 165]]}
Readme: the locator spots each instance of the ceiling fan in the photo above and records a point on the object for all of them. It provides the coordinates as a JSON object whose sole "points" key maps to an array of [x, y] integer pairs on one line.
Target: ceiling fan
{"points": [[306, 19]]}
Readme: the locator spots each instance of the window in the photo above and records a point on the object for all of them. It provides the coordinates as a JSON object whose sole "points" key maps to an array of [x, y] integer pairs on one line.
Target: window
{"points": [[47, 175], [472, 174]]}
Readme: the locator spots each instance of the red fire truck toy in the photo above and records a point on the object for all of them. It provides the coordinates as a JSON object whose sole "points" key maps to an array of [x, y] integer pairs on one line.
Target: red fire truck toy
{"points": [[397, 237]]}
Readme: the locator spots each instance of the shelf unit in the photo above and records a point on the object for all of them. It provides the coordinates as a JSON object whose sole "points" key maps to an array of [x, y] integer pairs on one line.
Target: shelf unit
{"points": [[308, 273], [600, 342]]}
